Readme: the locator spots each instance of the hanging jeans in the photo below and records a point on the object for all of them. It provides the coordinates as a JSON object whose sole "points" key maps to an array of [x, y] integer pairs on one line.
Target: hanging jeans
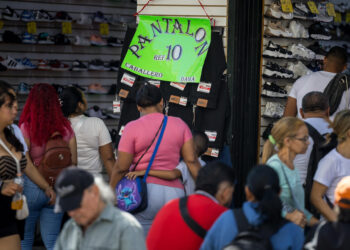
{"points": [[50, 222]]}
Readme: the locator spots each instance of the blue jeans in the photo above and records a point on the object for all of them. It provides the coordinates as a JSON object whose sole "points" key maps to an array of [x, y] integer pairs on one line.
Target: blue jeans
{"points": [[50, 222]]}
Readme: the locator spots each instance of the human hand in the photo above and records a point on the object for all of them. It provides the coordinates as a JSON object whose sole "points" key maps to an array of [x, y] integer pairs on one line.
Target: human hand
{"points": [[134, 174], [9, 188], [51, 194], [297, 217]]}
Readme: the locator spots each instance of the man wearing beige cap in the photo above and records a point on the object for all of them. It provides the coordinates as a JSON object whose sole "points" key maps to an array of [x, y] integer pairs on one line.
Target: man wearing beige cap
{"points": [[335, 235]]}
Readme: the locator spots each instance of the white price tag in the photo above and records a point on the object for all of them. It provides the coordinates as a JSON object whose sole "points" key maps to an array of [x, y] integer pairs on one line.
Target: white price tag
{"points": [[204, 87], [128, 79], [179, 85], [154, 83], [183, 101], [116, 106], [211, 135]]}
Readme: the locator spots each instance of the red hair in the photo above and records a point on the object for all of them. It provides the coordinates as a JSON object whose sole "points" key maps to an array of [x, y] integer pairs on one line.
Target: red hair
{"points": [[42, 114]]}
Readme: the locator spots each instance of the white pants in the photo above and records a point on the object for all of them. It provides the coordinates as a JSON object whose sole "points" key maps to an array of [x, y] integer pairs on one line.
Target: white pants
{"points": [[158, 195]]}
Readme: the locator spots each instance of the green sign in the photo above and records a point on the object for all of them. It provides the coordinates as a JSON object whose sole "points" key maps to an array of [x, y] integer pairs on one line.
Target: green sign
{"points": [[169, 48]]}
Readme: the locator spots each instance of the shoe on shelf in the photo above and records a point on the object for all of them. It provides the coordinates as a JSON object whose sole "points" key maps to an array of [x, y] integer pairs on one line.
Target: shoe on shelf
{"points": [[97, 40], [63, 16], [26, 63], [43, 65], [10, 37], [299, 51], [96, 88], [274, 10], [10, 14], [114, 20], [114, 65], [27, 16], [12, 64], [43, 16], [81, 41], [273, 50], [298, 30], [323, 15], [273, 70], [61, 39], [98, 17], [57, 65], [95, 111], [298, 69], [23, 88], [97, 64], [301, 11], [273, 110], [275, 28], [28, 38], [79, 66], [84, 19], [114, 42], [319, 32], [320, 52], [271, 89], [45, 38]]}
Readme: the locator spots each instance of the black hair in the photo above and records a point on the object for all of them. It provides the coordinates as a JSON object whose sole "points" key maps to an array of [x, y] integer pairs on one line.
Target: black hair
{"points": [[70, 98], [9, 135], [314, 101], [263, 183], [338, 54], [148, 95], [201, 142], [6, 85], [212, 175]]}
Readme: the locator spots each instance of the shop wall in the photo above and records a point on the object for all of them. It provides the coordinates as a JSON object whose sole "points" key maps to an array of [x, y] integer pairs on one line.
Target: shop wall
{"points": [[67, 53]]}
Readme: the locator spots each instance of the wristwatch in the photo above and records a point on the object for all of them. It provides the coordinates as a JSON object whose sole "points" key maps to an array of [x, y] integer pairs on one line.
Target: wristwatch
{"points": [[1, 182]]}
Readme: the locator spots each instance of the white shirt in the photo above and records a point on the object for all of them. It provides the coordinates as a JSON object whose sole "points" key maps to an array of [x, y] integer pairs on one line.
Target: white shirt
{"points": [[187, 179], [301, 161], [316, 81], [91, 135], [331, 169], [18, 133]]}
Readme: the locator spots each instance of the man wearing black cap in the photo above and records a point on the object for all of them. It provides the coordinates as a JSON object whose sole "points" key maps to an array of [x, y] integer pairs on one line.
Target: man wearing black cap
{"points": [[95, 223]]}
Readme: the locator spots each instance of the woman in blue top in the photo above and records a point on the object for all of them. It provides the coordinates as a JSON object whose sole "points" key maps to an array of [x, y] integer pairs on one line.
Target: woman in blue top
{"points": [[262, 206], [289, 137]]}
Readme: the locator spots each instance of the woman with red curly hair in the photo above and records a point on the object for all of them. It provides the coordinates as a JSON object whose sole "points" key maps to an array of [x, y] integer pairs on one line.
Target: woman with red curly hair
{"points": [[41, 117]]}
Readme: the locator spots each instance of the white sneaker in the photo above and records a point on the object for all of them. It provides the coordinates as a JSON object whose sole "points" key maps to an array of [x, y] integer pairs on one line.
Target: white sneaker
{"points": [[84, 19], [299, 69], [273, 110], [301, 52], [323, 16], [81, 41], [275, 28], [13, 64]]}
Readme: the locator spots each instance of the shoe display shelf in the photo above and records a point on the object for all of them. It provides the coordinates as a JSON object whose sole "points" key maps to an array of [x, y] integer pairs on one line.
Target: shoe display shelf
{"points": [[272, 104], [86, 17]]}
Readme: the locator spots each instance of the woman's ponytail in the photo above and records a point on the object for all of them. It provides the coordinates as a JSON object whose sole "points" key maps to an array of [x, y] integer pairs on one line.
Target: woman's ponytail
{"points": [[263, 183]]}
